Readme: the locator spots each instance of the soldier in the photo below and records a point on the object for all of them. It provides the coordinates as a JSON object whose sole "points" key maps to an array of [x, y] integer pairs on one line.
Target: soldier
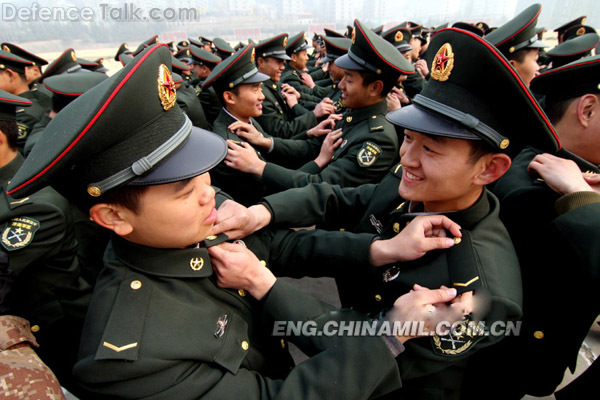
{"points": [[518, 41], [206, 43], [123, 49], [187, 97], [158, 325], [13, 81], [368, 145], [576, 31], [32, 73], [281, 116], [561, 29], [544, 349], [203, 63], [454, 145], [222, 48], [41, 278], [408, 86], [572, 50]]}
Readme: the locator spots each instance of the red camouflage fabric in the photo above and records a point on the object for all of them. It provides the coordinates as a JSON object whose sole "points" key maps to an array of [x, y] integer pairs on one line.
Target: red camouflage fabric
{"points": [[23, 375]]}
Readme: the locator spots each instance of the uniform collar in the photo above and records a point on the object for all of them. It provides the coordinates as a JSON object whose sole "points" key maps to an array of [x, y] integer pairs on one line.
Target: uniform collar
{"points": [[269, 83], [355, 116], [234, 118], [193, 262], [10, 169], [466, 218]]}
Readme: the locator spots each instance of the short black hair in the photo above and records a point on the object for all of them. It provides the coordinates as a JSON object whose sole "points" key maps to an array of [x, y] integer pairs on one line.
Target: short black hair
{"points": [[125, 196], [11, 130], [519, 55], [61, 101], [370, 77], [479, 148], [555, 109]]}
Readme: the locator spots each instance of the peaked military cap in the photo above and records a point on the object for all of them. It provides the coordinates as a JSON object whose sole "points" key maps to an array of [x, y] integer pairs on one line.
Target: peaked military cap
{"points": [[332, 33], [65, 63], [236, 70], [273, 47], [73, 85], [179, 66], [399, 36], [146, 43], [336, 47], [125, 58], [296, 43], [204, 57], [378, 30], [91, 65], [540, 32], [577, 21], [469, 27], [223, 48], [184, 55], [195, 42], [184, 44], [370, 51], [573, 49], [518, 33], [572, 80], [13, 62], [90, 148], [204, 40], [456, 101], [483, 26], [18, 51], [576, 31], [8, 105], [177, 79], [123, 49]]}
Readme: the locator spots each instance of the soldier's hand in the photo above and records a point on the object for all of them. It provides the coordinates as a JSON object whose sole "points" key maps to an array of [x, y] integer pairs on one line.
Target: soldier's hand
{"points": [[325, 107], [289, 89], [428, 306], [324, 127], [290, 99], [561, 175], [422, 68], [393, 102], [332, 141], [308, 80], [236, 267], [593, 180], [243, 157], [423, 234], [250, 133], [237, 221]]}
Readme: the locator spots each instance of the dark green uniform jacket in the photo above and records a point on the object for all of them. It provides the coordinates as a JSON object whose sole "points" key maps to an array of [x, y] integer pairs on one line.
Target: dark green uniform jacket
{"points": [[292, 77], [27, 117], [368, 150], [413, 85], [278, 119], [35, 134], [245, 188], [159, 327], [553, 253], [190, 104], [484, 260], [210, 102], [43, 283]]}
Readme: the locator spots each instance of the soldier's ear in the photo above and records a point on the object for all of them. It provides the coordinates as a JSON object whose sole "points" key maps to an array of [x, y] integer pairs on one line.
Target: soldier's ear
{"points": [[113, 217], [229, 97], [494, 165], [587, 109]]}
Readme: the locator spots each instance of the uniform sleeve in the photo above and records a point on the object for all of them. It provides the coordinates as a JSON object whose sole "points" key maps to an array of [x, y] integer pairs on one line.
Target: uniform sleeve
{"points": [[349, 170], [319, 204], [292, 153], [277, 126]]}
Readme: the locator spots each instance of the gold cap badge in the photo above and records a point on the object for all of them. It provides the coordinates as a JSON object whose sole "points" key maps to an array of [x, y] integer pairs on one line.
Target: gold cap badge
{"points": [[443, 62], [73, 56], [6, 48], [580, 31], [166, 87], [399, 36], [285, 41], [252, 56], [353, 35]]}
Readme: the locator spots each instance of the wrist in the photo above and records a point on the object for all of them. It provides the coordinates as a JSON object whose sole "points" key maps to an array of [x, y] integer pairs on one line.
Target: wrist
{"points": [[262, 216], [262, 281], [379, 254], [258, 167]]}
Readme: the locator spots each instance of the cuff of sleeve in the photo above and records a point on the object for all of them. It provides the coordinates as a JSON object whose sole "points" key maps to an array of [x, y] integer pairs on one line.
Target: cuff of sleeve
{"points": [[14, 330], [575, 200]]}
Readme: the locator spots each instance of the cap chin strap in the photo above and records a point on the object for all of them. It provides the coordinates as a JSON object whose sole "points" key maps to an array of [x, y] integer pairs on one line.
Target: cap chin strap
{"points": [[145, 164], [462, 118], [242, 78]]}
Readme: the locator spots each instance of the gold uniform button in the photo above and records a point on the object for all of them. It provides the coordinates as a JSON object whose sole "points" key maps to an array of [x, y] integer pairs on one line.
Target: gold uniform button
{"points": [[342, 230], [245, 345], [135, 285], [349, 119], [242, 292], [396, 227], [211, 237], [457, 240], [378, 297], [35, 328], [504, 144], [282, 343], [263, 262], [538, 334]]}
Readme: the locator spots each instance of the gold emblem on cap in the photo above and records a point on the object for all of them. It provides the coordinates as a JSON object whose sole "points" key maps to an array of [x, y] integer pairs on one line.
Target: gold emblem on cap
{"points": [[94, 191], [125, 46], [252, 55], [166, 87], [580, 31], [187, 52], [443, 62], [2, 66], [480, 25], [284, 41], [504, 144], [6, 48], [73, 56], [399, 36], [583, 20], [196, 263], [353, 35]]}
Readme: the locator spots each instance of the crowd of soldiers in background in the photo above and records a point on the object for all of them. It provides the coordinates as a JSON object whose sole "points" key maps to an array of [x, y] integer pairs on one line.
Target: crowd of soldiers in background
{"points": [[301, 101]]}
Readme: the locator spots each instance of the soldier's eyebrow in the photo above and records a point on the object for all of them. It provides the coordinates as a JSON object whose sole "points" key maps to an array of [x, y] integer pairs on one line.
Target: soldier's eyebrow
{"points": [[180, 185]]}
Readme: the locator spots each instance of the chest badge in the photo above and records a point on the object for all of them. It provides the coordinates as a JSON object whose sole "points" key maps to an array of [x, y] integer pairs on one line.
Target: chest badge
{"points": [[196, 263], [368, 154], [221, 325]]}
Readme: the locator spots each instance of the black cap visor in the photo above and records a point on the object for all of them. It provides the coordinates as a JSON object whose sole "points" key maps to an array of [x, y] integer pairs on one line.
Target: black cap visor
{"points": [[346, 62], [418, 119]]}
